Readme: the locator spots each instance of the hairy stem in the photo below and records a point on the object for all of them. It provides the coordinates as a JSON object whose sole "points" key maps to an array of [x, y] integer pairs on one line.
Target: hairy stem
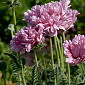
{"points": [[68, 64], [19, 78], [60, 54], [68, 74], [62, 60], [63, 36], [14, 18], [52, 60], [22, 72], [56, 48], [37, 66]]}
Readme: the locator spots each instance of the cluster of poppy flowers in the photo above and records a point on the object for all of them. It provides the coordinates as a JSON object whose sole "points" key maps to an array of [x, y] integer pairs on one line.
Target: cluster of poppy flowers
{"points": [[47, 20]]}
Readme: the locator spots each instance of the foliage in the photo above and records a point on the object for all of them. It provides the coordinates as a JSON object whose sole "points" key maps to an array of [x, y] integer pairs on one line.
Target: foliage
{"points": [[61, 76]]}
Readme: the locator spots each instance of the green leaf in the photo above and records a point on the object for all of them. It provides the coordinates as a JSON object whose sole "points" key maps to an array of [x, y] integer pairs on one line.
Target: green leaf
{"points": [[16, 73], [14, 58], [34, 77]]}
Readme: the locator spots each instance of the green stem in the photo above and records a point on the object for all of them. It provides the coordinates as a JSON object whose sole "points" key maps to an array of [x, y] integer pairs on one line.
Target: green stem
{"points": [[68, 64], [14, 17], [63, 36], [56, 48], [22, 73], [19, 78], [68, 74], [4, 76], [37, 66], [45, 70], [12, 33], [82, 70], [62, 60], [52, 60], [60, 54]]}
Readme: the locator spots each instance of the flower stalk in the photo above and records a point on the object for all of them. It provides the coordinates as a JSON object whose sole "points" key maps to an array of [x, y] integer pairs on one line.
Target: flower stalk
{"points": [[62, 60], [37, 66], [22, 72], [14, 18], [68, 64], [63, 36], [68, 74], [56, 49], [60, 52], [52, 60], [12, 33]]}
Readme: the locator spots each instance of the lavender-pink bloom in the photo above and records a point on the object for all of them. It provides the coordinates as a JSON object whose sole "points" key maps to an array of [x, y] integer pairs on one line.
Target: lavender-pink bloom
{"points": [[26, 38], [33, 16], [75, 50], [53, 16]]}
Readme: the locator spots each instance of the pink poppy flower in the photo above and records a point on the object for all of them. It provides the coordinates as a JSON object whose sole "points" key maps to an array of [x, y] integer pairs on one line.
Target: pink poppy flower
{"points": [[26, 38], [53, 16], [75, 50]]}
